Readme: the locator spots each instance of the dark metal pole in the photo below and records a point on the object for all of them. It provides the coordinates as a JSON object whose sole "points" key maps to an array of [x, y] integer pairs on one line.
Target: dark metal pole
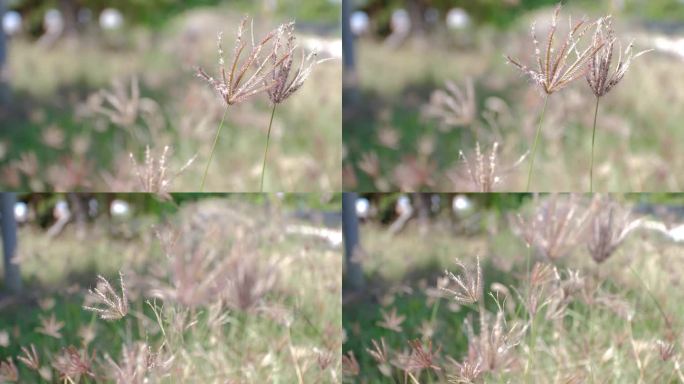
{"points": [[350, 231], [9, 240]]}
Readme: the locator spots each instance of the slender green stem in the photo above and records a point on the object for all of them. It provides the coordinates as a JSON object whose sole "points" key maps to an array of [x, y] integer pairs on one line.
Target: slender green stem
{"points": [[593, 136], [213, 148], [536, 140], [268, 139]]}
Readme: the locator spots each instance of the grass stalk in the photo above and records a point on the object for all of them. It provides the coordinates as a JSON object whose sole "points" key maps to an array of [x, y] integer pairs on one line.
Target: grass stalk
{"points": [[268, 139], [593, 136], [536, 141], [213, 148]]}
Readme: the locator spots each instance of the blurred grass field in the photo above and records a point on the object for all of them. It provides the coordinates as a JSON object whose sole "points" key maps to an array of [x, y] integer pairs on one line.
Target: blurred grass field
{"points": [[637, 135], [291, 329], [50, 120], [592, 340]]}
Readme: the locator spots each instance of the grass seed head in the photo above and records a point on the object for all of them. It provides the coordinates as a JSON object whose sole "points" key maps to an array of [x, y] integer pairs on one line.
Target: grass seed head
{"points": [[154, 175], [467, 287], [599, 77], [30, 358], [8, 371], [111, 305], [73, 363], [453, 107], [283, 83], [559, 66], [246, 77]]}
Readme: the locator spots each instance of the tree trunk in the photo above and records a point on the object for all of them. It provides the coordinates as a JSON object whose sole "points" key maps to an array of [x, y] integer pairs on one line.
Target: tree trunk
{"points": [[350, 232], [349, 78], [416, 10], [9, 241], [423, 202], [69, 11], [4, 88]]}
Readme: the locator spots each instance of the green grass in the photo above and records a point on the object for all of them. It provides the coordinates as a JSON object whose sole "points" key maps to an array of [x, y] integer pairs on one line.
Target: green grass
{"points": [[636, 137], [50, 88], [249, 345], [591, 342]]}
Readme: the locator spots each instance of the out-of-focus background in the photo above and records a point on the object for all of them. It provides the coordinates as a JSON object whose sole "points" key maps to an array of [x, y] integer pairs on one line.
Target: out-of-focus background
{"points": [[88, 82], [242, 288], [404, 50], [605, 274]]}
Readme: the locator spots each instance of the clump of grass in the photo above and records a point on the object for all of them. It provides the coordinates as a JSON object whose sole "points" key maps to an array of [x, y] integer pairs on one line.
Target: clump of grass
{"points": [[154, 175], [555, 70], [270, 67], [221, 304], [599, 78], [549, 323]]}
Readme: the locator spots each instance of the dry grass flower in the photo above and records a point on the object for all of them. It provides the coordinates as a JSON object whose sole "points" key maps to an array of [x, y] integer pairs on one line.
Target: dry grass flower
{"points": [[600, 80], [139, 364], [391, 320], [51, 327], [555, 69], [413, 173], [554, 226], [236, 86], [123, 107], [380, 354], [30, 358], [608, 228], [665, 350], [484, 172], [422, 357], [73, 363], [370, 164], [495, 341], [200, 276], [468, 286], [8, 371], [112, 306], [154, 175], [350, 366], [453, 107], [282, 58]]}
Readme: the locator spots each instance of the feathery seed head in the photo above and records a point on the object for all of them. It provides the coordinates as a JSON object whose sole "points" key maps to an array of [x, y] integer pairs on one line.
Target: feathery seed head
{"points": [[72, 364], [247, 76], [30, 358], [154, 175], [112, 306], [467, 288], [451, 106], [609, 227], [600, 80], [282, 58], [556, 68]]}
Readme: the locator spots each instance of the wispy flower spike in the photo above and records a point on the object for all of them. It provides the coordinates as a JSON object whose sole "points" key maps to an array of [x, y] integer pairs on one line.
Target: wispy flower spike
{"points": [[234, 86], [30, 358], [556, 68], [154, 176], [484, 171], [600, 80], [468, 288], [282, 59], [112, 306], [453, 107]]}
